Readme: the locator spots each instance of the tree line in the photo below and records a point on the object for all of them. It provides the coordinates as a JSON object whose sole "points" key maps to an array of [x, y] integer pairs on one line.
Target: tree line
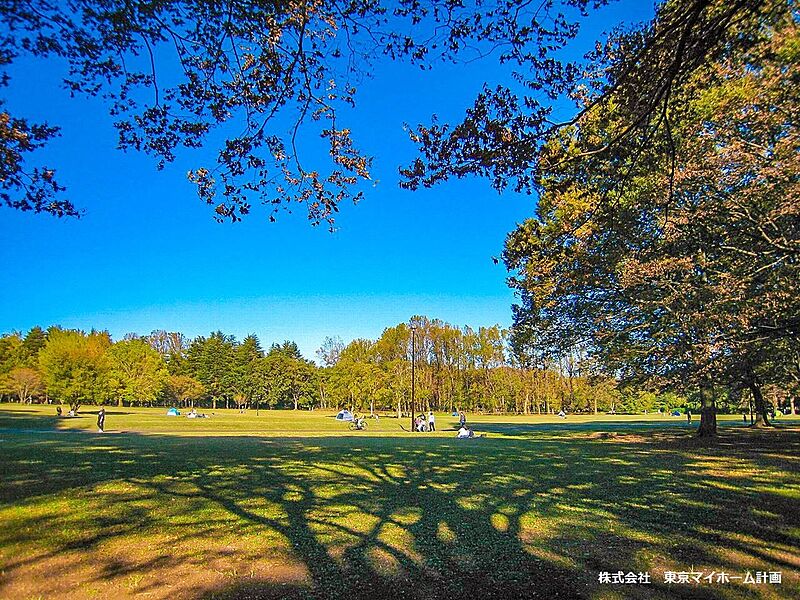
{"points": [[456, 368]]}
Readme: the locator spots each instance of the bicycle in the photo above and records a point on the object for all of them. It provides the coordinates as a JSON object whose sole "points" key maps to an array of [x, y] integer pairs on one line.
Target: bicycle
{"points": [[358, 425]]}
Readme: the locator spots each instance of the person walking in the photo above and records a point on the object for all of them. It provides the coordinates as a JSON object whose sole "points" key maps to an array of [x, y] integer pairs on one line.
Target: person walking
{"points": [[431, 421], [462, 419], [688, 415], [101, 420]]}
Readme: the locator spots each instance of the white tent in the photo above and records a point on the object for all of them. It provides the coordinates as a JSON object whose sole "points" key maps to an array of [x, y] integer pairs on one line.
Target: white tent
{"points": [[344, 415]]}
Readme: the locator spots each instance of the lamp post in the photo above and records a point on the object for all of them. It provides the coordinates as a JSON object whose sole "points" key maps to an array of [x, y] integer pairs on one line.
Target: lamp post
{"points": [[413, 378]]}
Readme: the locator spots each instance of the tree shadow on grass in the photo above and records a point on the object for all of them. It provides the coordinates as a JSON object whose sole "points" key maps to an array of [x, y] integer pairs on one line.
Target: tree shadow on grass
{"points": [[23, 418], [534, 429], [428, 518]]}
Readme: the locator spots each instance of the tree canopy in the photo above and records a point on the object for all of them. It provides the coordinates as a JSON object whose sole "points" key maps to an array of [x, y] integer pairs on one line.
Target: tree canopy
{"points": [[247, 78], [673, 253]]}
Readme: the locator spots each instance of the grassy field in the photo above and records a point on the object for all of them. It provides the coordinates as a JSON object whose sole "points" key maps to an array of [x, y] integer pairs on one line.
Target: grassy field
{"points": [[293, 505], [318, 423]]}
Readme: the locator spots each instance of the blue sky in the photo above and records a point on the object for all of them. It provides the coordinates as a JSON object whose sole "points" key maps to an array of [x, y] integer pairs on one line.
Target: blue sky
{"points": [[148, 254]]}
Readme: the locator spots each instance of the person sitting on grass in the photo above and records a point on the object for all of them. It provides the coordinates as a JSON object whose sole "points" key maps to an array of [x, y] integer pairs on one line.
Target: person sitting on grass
{"points": [[465, 432], [419, 423], [59, 412]]}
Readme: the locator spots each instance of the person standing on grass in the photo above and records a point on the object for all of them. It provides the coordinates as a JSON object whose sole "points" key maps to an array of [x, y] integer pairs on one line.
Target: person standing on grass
{"points": [[688, 415], [462, 419], [431, 421], [101, 420]]}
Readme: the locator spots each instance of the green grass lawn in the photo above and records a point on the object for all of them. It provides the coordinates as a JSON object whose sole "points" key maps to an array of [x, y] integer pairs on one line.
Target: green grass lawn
{"points": [[317, 423], [293, 505]]}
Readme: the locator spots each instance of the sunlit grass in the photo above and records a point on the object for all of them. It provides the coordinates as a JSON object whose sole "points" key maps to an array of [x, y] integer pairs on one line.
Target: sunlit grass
{"points": [[317, 423]]}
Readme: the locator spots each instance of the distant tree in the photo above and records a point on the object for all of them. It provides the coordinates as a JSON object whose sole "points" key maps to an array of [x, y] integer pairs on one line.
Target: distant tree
{"points": [[392, 352], [11, 352], [24, 382], [286, 380], [184, 389], [33, 342], [171, 345], [250, 349], [245, 360], [359, 350], [75, 366], [211, 361], [137, 372], [330, 351], [358, 385], [288, 348]]}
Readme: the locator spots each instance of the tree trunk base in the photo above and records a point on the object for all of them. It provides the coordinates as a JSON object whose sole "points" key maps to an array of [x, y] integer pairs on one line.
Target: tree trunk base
{"points": [[708, 423], [705, 432]]}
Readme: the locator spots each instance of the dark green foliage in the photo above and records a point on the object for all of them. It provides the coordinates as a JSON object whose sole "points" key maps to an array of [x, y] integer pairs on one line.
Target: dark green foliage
{"points": [[211, 361]]}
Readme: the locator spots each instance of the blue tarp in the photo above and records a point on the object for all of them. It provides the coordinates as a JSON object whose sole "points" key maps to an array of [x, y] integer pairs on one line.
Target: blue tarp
{"points": [[173, 412]]}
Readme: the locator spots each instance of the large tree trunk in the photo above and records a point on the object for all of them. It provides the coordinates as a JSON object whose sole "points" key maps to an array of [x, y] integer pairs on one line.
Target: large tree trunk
{"points": [[708, 415], [762, 418]]}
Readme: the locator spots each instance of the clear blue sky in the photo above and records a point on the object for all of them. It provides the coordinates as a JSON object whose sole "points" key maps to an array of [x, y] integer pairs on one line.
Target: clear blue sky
{"points": [[148, 254]]}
